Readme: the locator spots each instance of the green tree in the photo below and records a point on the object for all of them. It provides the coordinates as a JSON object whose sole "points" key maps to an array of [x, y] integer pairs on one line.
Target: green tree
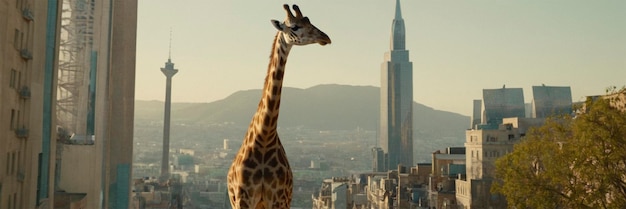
{"points": [[570, 162]]}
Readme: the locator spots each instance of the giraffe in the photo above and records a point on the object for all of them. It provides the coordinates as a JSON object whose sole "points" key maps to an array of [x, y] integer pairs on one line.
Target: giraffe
{"points": [[260, 176]]}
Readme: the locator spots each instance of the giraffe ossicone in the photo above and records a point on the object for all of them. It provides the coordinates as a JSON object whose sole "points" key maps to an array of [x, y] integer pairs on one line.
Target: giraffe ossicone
{"points": [[260, 176]]}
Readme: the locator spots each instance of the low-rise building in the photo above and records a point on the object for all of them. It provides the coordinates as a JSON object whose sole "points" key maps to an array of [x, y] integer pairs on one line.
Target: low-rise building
{"points": [[401, 188], [483, 147], [447, 166], [335, 193]]}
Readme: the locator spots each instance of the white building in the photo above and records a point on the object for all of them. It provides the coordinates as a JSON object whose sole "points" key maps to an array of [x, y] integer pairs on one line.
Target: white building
{"points": [[483, 147]]}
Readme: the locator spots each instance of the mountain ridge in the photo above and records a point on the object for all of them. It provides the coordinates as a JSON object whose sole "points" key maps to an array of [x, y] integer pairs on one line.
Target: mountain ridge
{"points": [[320, 107]]}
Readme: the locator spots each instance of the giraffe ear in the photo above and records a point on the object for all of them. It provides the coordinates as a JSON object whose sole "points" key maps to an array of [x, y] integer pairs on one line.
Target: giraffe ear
{"points": [[278, 25]]}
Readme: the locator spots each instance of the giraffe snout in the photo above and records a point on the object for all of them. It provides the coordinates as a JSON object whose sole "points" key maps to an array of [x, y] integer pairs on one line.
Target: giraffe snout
{"points": [[324, 39]]}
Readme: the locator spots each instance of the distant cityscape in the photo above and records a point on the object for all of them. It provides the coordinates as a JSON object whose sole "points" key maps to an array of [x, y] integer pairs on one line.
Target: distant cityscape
{"points": [[73, 136], [384, 178]]}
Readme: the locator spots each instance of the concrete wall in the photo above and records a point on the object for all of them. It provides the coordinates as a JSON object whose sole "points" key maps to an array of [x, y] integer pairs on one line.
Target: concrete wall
{"points": [[81, 171], [339, 196], [119, 112]]}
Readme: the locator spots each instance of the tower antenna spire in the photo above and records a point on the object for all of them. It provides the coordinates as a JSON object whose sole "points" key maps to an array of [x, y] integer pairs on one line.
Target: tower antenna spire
{"points": [[169, 57], [398, 10]]}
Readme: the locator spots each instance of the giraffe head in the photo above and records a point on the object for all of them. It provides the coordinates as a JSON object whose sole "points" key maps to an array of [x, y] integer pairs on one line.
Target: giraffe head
{"points": [[298, 29]]}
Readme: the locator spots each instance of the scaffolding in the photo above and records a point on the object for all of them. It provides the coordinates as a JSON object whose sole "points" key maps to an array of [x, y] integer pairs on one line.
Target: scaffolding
{"points": [[75, 65]]}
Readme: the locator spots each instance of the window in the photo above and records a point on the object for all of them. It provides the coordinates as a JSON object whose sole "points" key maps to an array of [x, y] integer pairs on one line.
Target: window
{"points": [[8, 162], [17, 161], [15, 200], [12, 78], [13, 164], [18, 80], [21, 40], [17, 120], [492, 154], [39, 162], [16, 39], [13, 118], [511, 136]]}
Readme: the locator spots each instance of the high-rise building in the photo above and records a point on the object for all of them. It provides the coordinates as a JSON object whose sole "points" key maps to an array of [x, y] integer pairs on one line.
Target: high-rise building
{"points": [[27, 46], [69, 67], [95, 103], [120, 102], [378, 162], [502, 103], [77, 154], [396, 102], [551, 101]]}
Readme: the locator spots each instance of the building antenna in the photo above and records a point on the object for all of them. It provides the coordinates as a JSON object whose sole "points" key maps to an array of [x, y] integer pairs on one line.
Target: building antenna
{"points": [[169, 57]]}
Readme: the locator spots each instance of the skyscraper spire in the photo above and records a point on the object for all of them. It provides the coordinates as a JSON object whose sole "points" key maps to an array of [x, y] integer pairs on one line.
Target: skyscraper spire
{"points": [[397, 30], [398, 11]]}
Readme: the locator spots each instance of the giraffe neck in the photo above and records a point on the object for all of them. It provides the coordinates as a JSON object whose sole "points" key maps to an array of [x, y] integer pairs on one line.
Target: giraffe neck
{"points": [[266, 117]]}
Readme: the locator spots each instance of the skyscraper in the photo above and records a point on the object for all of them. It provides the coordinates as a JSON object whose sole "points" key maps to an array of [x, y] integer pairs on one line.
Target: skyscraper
{"points": [[26, 123], [396, 99], [378, 162], [551, 100], [70, 70], [502, 103]]}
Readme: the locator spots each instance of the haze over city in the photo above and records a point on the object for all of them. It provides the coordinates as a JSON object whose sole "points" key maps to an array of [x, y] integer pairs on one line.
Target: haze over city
{"points": [[415, 104], [457, 48]]}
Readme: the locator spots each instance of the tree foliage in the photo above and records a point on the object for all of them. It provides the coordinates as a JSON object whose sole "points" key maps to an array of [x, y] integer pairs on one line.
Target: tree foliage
{"points": [[570, 162]]}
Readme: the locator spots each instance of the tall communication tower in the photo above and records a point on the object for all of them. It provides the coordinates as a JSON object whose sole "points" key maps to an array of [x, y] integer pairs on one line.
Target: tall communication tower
{"points": [[169, 72]]}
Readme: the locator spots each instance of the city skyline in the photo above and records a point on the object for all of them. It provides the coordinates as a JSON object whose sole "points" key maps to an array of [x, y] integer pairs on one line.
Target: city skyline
{"points": [[457, 48]]}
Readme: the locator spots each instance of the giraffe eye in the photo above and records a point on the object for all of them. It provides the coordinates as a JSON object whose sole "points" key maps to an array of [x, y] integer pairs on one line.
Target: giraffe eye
{"points": [[295, 28]]}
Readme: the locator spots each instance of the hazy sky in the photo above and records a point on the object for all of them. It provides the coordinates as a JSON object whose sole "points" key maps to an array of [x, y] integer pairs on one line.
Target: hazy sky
{"points": [[457, 47]]}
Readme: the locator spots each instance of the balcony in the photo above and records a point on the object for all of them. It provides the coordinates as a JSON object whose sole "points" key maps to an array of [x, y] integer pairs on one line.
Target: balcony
{"points": [[25, 92], [27, 14], [26, 55], [21, 133]]}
